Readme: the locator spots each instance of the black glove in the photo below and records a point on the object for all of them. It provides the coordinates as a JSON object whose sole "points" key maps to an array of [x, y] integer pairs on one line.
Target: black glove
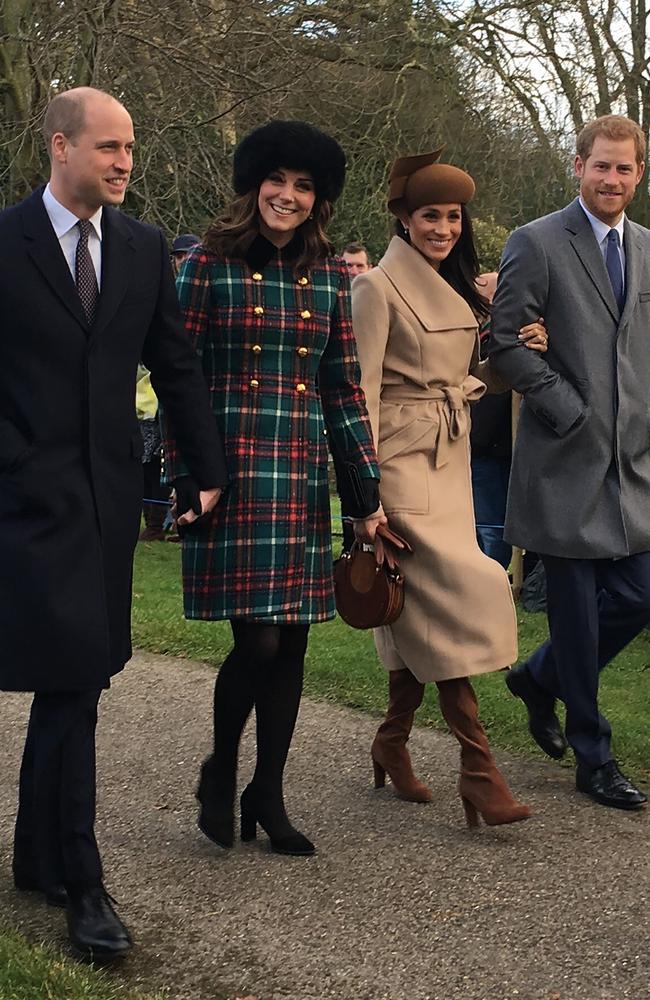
{"points": [[187, 496]]}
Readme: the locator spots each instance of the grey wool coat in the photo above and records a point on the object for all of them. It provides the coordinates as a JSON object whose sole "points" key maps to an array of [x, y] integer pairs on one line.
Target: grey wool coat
{"points": [[580, 481]]}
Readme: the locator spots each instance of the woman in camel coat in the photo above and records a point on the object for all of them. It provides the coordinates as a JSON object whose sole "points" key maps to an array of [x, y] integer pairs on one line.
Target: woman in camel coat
{"points": [[415, 321]]}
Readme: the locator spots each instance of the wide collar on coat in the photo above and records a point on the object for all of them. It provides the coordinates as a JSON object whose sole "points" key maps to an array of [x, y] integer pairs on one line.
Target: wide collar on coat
{"points": [[44, 249], [432, 299], [589, 253], [260, 251]]}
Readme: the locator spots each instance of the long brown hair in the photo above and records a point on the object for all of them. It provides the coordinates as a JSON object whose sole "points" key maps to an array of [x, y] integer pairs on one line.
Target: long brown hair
{"points": [[230, 234]]}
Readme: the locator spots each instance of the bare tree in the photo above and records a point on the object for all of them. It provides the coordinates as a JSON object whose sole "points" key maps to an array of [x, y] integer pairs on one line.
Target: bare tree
{"points": [[561, 62]]}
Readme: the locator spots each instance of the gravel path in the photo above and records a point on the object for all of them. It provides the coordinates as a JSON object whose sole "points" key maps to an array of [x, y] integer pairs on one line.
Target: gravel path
{"points": [[401, 902]]}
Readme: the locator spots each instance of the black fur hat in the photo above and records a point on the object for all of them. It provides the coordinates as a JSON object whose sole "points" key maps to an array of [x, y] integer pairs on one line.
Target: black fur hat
{"points": [[296, 146]]}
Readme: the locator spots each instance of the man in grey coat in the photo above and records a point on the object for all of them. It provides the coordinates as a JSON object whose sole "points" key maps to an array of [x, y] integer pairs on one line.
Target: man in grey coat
{"points": [[580, 483]]}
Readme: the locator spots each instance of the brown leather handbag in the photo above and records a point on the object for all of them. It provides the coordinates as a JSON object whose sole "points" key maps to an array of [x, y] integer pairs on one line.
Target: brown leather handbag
{"points": [[369, 586]]}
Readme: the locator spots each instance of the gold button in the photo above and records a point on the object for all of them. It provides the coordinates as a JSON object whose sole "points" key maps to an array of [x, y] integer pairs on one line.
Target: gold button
{"points": [[258, 311], [256, 349], [302, 352], [301, 387], [257, 276], [254, 383], [302, 281], [305, 314]]}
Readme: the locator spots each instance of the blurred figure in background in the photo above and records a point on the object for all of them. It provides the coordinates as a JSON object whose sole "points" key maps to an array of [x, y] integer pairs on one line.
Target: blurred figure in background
{"points": [[356, 257], [154, 506], [180, 249], [491, 451]]}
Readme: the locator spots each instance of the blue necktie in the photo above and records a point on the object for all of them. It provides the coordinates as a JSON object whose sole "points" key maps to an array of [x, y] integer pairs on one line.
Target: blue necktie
{"points": [[614, 269]]}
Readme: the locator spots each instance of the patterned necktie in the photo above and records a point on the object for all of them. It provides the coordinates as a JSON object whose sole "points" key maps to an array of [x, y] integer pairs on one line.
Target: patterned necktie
{"points": [[84, 272], [614, 269]]}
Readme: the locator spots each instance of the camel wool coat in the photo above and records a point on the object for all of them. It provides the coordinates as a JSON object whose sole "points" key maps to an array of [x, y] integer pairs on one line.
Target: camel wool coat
{"points": [[418, 349]]}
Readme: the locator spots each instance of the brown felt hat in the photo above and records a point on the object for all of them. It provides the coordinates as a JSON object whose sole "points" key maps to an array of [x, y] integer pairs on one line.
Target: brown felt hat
{"points": [[420, 180]]}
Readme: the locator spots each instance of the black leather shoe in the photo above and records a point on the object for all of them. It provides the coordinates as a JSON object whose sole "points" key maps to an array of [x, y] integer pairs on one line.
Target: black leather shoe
{"points": [[608, 786], [55, 895], [96, 932], [543, 724]]}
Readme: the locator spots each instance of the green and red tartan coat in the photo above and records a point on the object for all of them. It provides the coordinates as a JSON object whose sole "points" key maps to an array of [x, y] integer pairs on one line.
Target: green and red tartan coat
{"points": [[279, 357]]}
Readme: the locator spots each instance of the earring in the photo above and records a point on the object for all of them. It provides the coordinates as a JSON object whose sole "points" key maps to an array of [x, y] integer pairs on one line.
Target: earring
{"points": [[311, 215]]}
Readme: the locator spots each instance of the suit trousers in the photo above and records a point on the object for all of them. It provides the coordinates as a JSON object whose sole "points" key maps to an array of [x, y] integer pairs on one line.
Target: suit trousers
{"points": [[595, 608], [54, 840]]}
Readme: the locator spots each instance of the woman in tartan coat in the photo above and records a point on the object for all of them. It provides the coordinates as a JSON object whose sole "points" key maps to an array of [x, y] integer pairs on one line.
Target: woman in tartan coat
{"points": [[267, 307]]}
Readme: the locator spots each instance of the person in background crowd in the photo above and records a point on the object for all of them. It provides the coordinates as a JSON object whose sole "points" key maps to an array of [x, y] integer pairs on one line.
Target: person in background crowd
{"points": [[267, 306], [491, 448], [415, 319], [87, 292], [154, 513], [581, 466], [181, 247], [356, 257], [154, 508]]}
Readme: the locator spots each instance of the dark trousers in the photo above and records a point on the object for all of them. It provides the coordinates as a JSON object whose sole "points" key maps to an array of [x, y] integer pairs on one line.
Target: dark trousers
{"points": [[595, 608], [154, 513], [490, 476], [55, 840]]}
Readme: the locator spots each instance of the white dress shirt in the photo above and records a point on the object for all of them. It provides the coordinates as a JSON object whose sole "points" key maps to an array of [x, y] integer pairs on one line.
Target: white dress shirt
{"points": [[64, 224], [601, 232]]}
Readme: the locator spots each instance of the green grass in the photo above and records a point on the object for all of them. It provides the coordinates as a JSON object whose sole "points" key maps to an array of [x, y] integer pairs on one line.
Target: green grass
{"points": [[29, 972], [342, 666]]}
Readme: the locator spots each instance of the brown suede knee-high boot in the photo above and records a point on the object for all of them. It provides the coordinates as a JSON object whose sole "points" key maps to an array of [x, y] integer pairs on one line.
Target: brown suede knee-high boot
{"points": [[482, 787], [389, 753]]}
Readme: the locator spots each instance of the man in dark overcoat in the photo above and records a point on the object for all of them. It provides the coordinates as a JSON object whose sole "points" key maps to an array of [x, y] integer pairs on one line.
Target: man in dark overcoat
{"points": [[85, 293], [580, 483]]}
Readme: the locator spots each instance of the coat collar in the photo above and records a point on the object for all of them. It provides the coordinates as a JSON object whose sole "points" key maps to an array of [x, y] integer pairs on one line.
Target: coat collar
{"points": [[44, 249], [117, 266], [261, 251], [432, 299], [635, 253], [589, 253]]}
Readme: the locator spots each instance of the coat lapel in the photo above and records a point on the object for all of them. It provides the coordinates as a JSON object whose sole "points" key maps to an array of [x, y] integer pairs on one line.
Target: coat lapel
{"points": [[634, 256], [117, 251], [432, 299], [585, 245], [45, 251]]}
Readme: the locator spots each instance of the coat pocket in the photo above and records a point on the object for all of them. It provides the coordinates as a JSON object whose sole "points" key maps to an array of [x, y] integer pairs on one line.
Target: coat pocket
{"points": [[406, 439], [15, 449]]}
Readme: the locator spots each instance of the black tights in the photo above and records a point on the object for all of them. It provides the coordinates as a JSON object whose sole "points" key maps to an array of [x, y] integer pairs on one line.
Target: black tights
{"points": [[264, 669]]}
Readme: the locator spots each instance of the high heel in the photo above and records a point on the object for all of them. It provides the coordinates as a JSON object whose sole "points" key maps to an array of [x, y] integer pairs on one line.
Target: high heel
{"points": [[380, 773], [248, 826], [483, 789], [471, 814], [389, 753], [283, 841], [216, 819]]}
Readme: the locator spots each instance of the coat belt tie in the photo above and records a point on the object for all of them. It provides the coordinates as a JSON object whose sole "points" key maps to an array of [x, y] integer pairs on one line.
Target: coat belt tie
{"points": [[452, 403]]}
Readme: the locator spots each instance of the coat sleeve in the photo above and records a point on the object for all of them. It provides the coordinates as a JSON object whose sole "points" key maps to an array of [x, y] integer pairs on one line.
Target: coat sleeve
{"points": [[521, 298], [191, 441], [371, 328], [344, 408]]}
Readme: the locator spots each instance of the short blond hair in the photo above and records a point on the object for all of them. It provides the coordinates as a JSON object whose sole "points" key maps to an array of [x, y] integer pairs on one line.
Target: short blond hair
{"points": [[615, 127]]}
